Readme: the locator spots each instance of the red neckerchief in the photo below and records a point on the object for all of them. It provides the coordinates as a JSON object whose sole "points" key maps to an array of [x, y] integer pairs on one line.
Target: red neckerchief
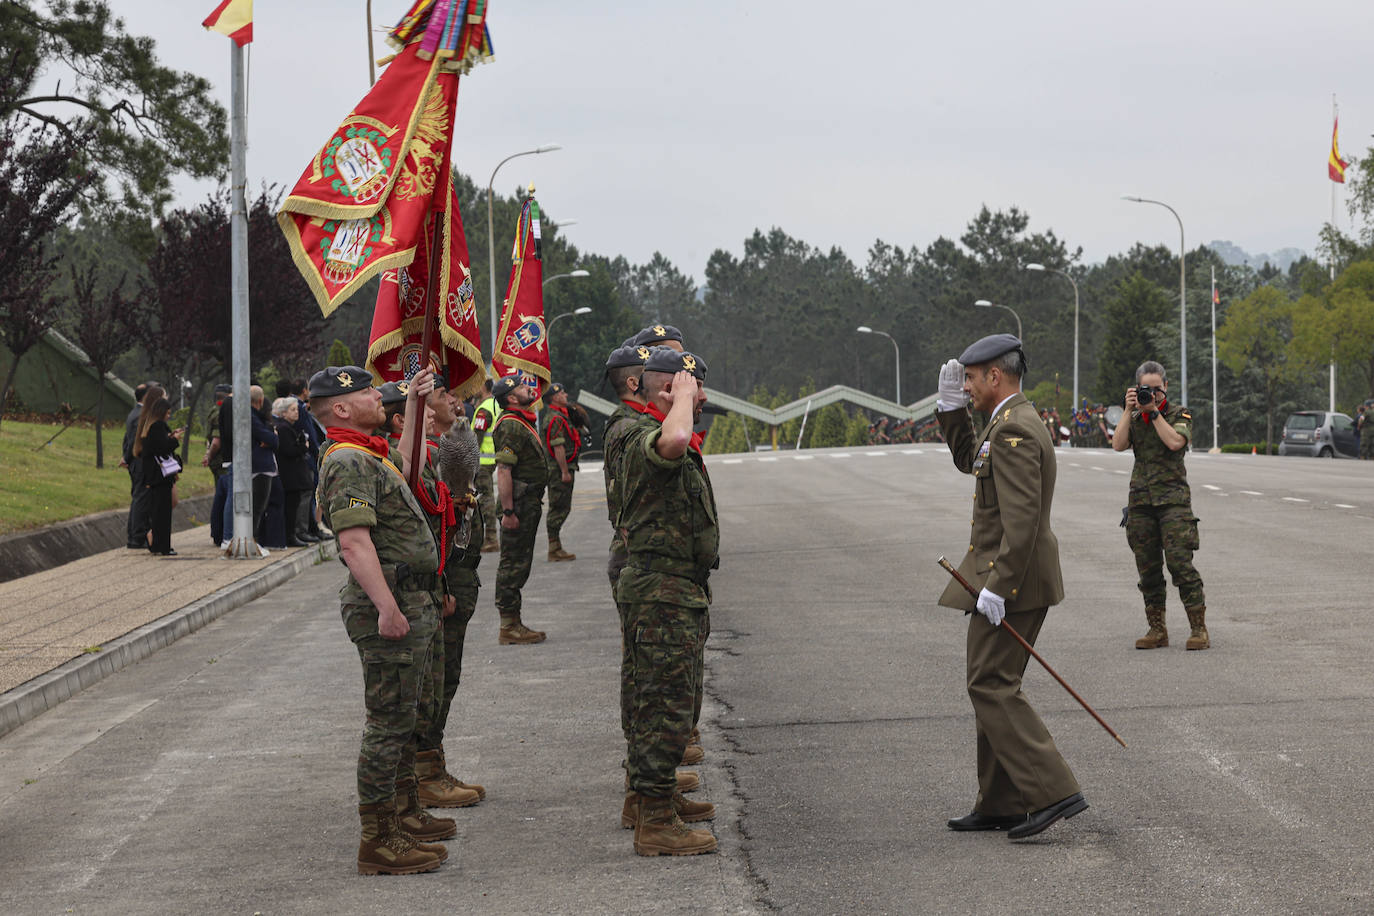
{"points": [[572, 431], [635, 406], [660, 416], [524, 417], [1148, 416], [377, 445], [441, 505]]}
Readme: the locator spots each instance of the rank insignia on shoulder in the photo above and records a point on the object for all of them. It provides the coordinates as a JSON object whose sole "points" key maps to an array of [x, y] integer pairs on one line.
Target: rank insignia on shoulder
{"points": [[1006, 414], [356, 503], [1185, 415], [1013, 441]]}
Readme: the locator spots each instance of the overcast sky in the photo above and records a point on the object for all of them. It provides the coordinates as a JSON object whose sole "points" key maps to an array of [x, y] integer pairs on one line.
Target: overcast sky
{"points": [[686, 126]]}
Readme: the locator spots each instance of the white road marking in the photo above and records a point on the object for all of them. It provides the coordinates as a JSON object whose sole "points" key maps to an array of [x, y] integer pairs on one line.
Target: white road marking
{"points": [[912, 451], [732, 461], [1252, 492], [1119, 471], [802, 457], [1074, 464], [874, 454], [1345, 506], [1294, 499], [1096, 468], [840, 455], [768, 459], [1208, 486]]}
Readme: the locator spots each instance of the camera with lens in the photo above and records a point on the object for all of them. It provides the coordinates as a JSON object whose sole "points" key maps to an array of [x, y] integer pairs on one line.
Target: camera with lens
{"points": [[1145, 394]]}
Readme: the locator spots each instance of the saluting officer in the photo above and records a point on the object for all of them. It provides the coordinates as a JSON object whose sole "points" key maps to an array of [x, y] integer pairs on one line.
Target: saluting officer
{"points": [[1014, 557], [656, 335]]}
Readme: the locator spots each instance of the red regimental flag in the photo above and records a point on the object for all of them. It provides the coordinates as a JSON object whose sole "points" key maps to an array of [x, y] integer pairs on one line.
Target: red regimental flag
{"points": [[361, 205], [1335, 165], [522, 343], [393, 351]]}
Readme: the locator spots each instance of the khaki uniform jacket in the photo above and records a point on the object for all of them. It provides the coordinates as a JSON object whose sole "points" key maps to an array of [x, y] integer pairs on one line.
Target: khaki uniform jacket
{"points": [[1012, 552]]}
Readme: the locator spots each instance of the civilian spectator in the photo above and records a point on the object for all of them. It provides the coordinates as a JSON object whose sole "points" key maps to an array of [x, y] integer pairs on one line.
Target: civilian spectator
{"points": [[154, 443], [137, 528], [293, 466]]}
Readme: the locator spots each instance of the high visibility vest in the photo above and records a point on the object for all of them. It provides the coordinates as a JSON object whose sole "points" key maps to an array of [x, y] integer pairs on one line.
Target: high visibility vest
{"points": [[484, 443]]}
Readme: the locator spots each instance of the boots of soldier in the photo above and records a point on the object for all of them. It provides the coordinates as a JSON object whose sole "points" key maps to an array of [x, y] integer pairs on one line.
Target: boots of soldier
{"points": [[515, 633], [686, 781], [1199, 638], [443, 764], [660, 832], [693, 753], [1158, 637], [436, 788], [690, 811], [557, 553], [416, 821], [385, 850]]}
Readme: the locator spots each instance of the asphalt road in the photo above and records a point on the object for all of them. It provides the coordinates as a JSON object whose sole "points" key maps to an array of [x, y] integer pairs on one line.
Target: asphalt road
{"points": [[217, 775]]}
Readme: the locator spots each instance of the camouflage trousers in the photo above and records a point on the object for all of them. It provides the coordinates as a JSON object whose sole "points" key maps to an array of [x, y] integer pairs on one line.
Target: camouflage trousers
{"points": [[560, 500], [394, 673], [1367, 443], [1162, 536], [517, 553], [666, 642], [446, 665], [486, 494]]}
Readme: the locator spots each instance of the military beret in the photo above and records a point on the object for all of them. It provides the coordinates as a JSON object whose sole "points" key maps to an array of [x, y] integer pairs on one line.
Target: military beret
{"points": [[504, 386], [222, 388], [333, 381], [626, 356], [989, 348], [394, 392], [553, 389], [666, 359], [654, 335]]}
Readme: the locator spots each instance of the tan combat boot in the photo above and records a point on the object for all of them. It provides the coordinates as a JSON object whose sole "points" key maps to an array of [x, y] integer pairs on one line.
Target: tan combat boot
{"points": [[443, 762], [416, 821], [1158, 637], [692, 755], [385, 850], [437, 789], [690, 811], [1199, 638], [686, 782], [660, 832], [515, 633], [557, 553]]}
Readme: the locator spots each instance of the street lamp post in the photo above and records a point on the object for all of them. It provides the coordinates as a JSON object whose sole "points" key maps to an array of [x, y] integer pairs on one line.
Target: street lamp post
{"points": [[897, 353], [582, 311], [1182, 300], [1066, 276], [997, 305], [574, 273], [491, 231]]}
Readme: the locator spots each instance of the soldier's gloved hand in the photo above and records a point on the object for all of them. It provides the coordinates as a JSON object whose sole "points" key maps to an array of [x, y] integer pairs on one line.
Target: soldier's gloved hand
{"points": [[951, 390], [993, 607]]}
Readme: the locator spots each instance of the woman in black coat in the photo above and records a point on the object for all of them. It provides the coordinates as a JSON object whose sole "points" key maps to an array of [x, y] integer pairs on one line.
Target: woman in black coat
{"points": [[293, 465], [156, 440]]}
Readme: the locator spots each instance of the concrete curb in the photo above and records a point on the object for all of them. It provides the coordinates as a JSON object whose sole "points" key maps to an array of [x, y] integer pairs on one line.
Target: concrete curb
{"points": [[36, 696]]}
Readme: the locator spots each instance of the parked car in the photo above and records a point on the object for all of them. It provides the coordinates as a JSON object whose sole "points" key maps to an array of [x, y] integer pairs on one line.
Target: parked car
{"points": [[1320, 434]]}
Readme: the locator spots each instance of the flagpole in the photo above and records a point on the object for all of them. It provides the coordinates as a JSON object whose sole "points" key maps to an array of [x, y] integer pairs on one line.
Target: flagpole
{"points": [[1331, 407], [371, 56], [244, 544], [1216, 447]]}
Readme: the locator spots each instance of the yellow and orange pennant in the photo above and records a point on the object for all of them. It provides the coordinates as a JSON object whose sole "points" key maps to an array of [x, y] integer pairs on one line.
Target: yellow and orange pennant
{"points": [[1335, 165], [233, 18]]}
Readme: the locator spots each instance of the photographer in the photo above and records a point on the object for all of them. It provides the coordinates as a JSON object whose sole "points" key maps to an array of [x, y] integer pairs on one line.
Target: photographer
{"points": [[1160, 518]]}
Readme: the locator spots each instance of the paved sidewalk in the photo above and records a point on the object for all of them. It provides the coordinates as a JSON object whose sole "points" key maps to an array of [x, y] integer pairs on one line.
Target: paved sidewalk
{"points": [[63, 629]]}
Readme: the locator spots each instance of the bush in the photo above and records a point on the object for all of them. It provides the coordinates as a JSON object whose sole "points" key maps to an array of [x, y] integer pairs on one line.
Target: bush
{"points": [[828, 427], [1246, 447]]}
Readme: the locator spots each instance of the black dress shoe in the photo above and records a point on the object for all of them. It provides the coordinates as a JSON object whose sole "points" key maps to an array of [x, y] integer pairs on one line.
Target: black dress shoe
{"points": [[292, 542], [308, 538], [1040, 820], [976, 821], [165, 553]]}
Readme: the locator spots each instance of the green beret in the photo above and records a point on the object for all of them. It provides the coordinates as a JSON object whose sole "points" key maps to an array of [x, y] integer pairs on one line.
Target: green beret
{"points": [[656, 334], [991, 347], [666, 359], [332, 381]]}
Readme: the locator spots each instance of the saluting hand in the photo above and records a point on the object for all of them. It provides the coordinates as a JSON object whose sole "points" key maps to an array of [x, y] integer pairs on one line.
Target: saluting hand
{"points": [[951, 386]]}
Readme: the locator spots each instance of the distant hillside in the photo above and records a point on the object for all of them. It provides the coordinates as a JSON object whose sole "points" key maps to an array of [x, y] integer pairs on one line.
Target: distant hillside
{"points": [[1232, 253]]}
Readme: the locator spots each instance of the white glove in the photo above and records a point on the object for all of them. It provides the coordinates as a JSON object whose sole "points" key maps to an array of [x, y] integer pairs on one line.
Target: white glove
{"points": [[951, 390], [993, 607]]}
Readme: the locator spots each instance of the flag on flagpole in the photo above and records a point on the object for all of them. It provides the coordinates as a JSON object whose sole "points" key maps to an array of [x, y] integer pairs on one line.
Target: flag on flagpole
{"points": [[233, 18], [1335, 165], [522, 343]]}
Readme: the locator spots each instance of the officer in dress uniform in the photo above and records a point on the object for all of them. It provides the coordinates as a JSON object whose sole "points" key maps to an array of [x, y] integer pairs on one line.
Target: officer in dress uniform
{"points": [[1024, 785]]}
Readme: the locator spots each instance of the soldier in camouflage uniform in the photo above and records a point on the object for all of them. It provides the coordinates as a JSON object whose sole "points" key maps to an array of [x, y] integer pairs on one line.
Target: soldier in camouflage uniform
{"points": [[1366, 428], [521, 475], [562, 444], [668, 520], [388, 604], [1160, 526]]}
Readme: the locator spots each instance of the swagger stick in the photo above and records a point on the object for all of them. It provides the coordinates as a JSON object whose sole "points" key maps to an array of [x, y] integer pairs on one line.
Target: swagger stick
{"points": [[1036, 655]]}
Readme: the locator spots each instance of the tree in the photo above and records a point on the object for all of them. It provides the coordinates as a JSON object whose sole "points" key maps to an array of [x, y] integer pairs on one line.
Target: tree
{"points": [[828, 427], [1256, 336], [339, 354], [1339, 324], [105, 322], [1133, 319]]}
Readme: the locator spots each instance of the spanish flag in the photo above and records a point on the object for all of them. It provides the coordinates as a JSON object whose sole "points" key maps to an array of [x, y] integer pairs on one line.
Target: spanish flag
{"points": [[1335, 165], [233, 18]]}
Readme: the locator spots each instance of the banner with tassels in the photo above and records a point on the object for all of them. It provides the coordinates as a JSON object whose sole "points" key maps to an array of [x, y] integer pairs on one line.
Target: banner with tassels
{"points": [[522, 344]]}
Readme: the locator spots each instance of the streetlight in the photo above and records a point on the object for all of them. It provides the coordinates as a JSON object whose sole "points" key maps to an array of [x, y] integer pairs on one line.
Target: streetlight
{"points": [[865, 329], [582, 311], [1066, 276], [986, 304], [576, 273], [1182, 299], [491, 232]]}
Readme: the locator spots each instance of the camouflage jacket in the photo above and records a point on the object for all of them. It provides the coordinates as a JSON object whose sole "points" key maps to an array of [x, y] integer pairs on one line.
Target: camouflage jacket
{"points": [[358, 489], [211, 434], [618, 426], [1159, 477], [515, 440], [668, 518]]}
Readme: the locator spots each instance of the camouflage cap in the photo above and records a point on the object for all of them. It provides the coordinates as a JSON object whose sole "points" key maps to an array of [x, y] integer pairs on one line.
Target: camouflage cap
{"points": [[394, 392], [666, 359], [332, 381], [986, 349], [627, 356], [654, 334]]}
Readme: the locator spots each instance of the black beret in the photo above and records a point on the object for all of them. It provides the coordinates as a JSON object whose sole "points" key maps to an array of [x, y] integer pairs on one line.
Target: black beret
{"points": [[222, 388], [989, 348], [626, 356], [504, 386], [666, 359], [333, 381], [654, 335], [553, 389], [394, 392]]}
